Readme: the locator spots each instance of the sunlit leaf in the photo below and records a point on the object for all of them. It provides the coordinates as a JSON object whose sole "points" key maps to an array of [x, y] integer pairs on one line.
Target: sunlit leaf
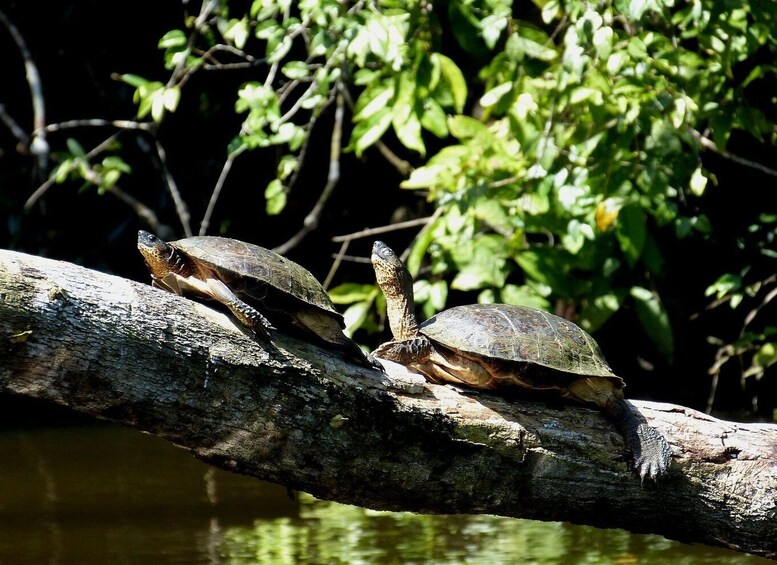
{"points": [[368, 131], [355, 316], [172, 39], [765, 357], [373, 100], [454, 78], [275, 195], [698, 182], [348, 293], [654, 320], [295, 69]]}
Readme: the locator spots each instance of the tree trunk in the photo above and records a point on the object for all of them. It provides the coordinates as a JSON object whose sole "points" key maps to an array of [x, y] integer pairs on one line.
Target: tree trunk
{"points": [[300, 416]]}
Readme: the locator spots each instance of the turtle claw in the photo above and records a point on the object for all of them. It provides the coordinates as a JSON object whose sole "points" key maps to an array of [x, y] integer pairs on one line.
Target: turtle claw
{"points": [[651, 453]]}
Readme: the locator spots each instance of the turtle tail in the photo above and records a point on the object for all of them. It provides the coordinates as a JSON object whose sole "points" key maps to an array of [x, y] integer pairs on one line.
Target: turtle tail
{"points": [[650, 451]]}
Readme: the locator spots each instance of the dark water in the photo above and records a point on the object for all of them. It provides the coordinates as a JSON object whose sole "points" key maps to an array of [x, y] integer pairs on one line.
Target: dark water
{"points": [[107, 495]]}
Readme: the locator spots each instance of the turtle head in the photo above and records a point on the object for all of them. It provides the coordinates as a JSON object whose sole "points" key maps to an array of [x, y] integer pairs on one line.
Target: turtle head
{"points": [[161, 257], [391, 273]]}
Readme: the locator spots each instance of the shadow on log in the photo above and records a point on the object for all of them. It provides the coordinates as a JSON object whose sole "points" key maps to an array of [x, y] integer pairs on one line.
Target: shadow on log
{"points": [[302, 417]]}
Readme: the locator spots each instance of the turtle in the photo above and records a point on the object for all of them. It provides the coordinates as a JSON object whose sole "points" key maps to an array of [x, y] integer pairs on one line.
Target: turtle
{"points": [[490, 346], [263, 290]]}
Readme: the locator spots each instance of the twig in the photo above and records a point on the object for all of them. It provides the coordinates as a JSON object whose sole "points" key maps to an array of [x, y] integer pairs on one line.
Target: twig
{"points": [[17, 130], [754, 312], [97, 122], [399, 164], [348, 238], [335, 147], [143, 212], [389, 228], [712, 146], [205, 223], [180, 205], [39, 146], [43, 188], [205, 10], [336, 264]]}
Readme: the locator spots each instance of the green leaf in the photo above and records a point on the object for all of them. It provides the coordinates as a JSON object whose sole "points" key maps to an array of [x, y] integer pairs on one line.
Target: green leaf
{"points": [[547, 266], [75, 148], [133, 80], [355, 316], [115, 162], [464, 127], [495, 94], [295, 70], [278, 51], [420, 245], [765, 357], [287, 166], [654, 320], [631, 230], [172, 39], [348, 293], [434, 119], [481, 263], [373, 100], [275, 194], [522, 296], [432, 295], [698, 182], [370, 130], [409, 133], [596, 312], [726, 284], [454, 78], [236, 32]]}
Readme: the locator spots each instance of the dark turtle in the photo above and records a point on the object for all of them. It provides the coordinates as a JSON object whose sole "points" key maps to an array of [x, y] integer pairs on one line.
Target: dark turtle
{"points": [[262, 289], [494, 345]]}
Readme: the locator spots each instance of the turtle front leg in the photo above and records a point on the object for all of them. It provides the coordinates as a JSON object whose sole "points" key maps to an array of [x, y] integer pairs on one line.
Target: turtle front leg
{"points": [[405, 352], [246, 314]]}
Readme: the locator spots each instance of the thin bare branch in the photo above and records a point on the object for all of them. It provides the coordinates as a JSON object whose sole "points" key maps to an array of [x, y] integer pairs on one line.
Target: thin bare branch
{"points": [[310, 222], [205, 224], [143, 212], [389, 228], [38, 146], [754, 312], [338, 258], [16, 130], [712, 146], [97, 122], [180, 206]]}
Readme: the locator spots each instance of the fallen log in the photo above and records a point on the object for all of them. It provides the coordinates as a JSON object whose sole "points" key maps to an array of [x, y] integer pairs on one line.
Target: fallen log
{"points": [[300, 416]]}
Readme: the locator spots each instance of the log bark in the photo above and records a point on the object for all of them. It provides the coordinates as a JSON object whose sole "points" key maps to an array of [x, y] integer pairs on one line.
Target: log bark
{"points": [[300, 416]]}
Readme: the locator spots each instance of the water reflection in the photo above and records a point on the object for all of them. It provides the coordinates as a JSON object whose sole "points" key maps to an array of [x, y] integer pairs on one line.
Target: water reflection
{"points": [[103, 494]]}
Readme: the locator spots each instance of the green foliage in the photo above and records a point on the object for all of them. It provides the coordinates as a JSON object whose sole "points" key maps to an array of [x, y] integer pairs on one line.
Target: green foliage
{"points": [[76, 164]]}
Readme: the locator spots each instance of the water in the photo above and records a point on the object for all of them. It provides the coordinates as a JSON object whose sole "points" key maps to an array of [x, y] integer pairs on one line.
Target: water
{"points": [[104, 494]]}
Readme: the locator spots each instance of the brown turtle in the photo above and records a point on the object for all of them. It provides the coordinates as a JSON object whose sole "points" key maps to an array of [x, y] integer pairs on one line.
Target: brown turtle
{"points": [[489, 346], [262, 289]]}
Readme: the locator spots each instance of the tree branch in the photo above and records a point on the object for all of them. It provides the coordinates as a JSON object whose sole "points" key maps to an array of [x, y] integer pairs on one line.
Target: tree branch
{"points": [[299, 416]]}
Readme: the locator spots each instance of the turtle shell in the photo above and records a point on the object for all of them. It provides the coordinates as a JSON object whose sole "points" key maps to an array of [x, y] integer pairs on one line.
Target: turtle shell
{"points": [[232, 259], [506, 333]]}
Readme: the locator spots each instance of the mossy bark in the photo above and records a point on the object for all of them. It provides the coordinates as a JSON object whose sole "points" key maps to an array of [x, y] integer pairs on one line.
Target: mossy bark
{"points": [[300, 416]]}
